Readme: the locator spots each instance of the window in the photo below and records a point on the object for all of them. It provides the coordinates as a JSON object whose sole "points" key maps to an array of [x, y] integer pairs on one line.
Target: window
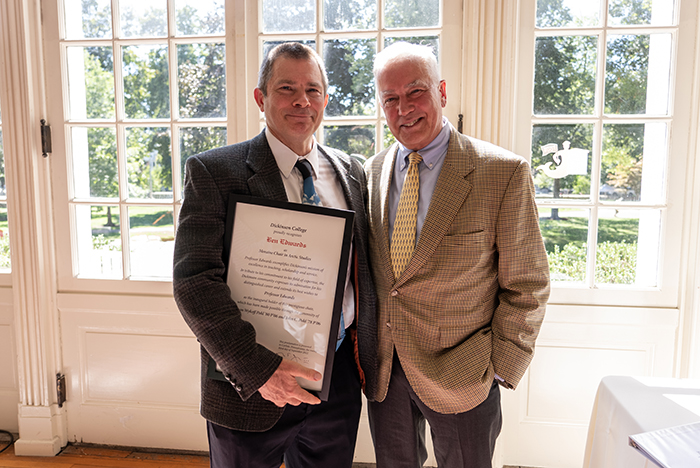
{"points": [[148, 83], [5, 266], [347, 35], [145, 90], [601, 118]]}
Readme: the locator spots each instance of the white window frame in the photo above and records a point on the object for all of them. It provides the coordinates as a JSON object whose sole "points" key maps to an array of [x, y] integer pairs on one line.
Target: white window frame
{"points": [[449, 31], [244, 120], [666, 294]]}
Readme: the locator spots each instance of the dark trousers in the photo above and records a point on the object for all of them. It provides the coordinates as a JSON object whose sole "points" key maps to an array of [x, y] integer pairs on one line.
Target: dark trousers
{"points": [[463, 440], [306, 436]]}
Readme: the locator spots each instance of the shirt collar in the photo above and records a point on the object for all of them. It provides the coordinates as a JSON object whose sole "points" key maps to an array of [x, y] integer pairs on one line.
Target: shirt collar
{"points": [[286, 158], [432, 153]]}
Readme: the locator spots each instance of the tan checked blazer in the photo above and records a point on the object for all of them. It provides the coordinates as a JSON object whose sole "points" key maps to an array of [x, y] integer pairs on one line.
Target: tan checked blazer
{"points": [[471, 301]]}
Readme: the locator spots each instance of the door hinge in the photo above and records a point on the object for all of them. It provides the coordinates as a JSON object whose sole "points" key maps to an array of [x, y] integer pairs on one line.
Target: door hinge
{"points": [[460, 123], [61, 389], [45, 138]]}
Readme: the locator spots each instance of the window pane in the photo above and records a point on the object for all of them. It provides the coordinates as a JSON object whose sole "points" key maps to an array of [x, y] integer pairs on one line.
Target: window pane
{"points": [[561, 162], [88, 19], [628, 247], [565, 235], [149, 162], [567, 13], [146, 91], [633, 162], [5, 264], [565, 71], [98, 241], [388, 138], [351, 84], [143, 18], [90, 82], [152, 238], [94, 162], [194, 140], [289, 16], [641, 12], [411, 13], [202, 80], [343, 15], [199, 17], [3, 192], [355, 140], [637, 74]]}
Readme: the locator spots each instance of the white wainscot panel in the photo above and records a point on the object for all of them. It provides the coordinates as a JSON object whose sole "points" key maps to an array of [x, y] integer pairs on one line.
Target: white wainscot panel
{"points": [[9, 390], [139, 369], [8, 372], [132, 372], [546, 419]]}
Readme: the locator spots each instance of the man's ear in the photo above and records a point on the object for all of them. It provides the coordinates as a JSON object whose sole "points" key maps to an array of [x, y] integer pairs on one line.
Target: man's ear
{"points": [[443, 92], [260, 98]]}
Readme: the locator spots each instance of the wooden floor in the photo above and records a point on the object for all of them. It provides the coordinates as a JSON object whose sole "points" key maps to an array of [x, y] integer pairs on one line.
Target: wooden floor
{"points": [[100, 457]]}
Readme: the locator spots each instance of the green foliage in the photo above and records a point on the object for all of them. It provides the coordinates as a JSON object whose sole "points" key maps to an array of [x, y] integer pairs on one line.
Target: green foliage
{"points": [[102, 147], [568, 263], [616, 262], [351, 83], [97, 22], [565, 74], [353, 139], [146, 84], [552, 14], [288, 15], [343, 15], [100, 242], [566, 244], [411, 13], [630, 11], [5, 262], [202, 80], [626, 72]]}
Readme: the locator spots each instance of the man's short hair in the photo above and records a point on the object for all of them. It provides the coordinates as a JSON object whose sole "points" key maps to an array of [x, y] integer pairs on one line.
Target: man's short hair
{"points": [[400, 51], [293, 50]]}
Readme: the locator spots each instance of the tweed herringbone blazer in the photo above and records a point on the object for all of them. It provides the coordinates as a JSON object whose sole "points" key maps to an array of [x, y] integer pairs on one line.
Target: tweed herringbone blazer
{"points": [[472, 298], [204, 299]]}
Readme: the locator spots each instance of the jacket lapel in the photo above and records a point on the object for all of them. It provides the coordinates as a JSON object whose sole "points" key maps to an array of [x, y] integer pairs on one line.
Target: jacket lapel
{"points": [[451, 190], [385, 179], [266, 181]]}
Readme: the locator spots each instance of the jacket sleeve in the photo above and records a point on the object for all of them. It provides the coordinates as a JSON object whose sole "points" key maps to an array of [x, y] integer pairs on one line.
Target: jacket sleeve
{"points": [[200, 289], [523, 275]]}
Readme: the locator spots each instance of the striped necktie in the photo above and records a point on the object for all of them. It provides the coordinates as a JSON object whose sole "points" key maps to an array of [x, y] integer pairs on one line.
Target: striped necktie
{"points": [[403, 239], [311, 198]]}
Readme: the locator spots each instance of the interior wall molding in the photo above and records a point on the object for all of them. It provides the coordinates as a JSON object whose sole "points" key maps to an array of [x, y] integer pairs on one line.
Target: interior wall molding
{"points": [[488, 69], [41, 420]]}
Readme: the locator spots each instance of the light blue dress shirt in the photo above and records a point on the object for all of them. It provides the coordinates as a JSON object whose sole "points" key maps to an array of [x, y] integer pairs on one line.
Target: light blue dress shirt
{"points": [[428, 173]]}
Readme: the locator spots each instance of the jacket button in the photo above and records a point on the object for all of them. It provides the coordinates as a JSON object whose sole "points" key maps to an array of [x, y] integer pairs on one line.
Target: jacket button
{"points": [[238, 388], [394, 293], [388, 324]]}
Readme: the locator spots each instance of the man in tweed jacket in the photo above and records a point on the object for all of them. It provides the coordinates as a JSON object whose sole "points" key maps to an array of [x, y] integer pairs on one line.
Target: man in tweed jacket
{"points": [[464, 314], [261, 416]]}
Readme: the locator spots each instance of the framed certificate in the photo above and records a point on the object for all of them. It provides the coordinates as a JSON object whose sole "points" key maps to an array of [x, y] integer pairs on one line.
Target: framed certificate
{"points": [[286, 266]]}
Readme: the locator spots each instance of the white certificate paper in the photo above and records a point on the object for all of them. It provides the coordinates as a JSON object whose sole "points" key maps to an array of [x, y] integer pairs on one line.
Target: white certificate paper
{"points": [[287, 266]]}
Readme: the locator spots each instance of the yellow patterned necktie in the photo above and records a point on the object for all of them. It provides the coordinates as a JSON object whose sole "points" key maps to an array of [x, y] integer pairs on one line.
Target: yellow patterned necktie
{"points": [[403, 239]]}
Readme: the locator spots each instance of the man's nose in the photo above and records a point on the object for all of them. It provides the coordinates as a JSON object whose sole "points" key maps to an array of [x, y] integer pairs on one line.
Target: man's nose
{"points": [[301, 100], [404, 107]]}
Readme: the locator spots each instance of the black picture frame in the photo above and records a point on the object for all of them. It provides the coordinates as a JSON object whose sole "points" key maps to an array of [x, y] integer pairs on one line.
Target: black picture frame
{"points": [[330, 226]]}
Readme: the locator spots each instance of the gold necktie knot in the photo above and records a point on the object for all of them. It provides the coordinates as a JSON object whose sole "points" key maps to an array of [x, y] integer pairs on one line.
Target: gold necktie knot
{"points": [[403, 238]]}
